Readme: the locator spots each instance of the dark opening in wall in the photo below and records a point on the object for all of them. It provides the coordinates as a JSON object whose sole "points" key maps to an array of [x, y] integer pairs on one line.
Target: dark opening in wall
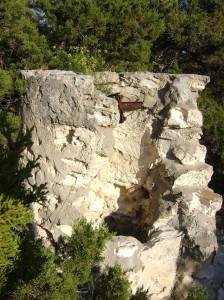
{"points": [[127, 220]]}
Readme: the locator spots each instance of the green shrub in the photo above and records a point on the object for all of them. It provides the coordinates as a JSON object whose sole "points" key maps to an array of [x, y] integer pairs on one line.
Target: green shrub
{"points": [[140, 294], [6, 83], [14, 197], [197, 294], [194, 293], [13, 174], [41, 274], [35, 274], [83, 249], [77, 59], [112, 284], [14, 217]]}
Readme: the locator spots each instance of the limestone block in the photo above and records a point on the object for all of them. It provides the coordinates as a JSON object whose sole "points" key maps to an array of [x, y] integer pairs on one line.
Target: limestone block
{"points": [[194, 118], [65, 229], [176, 134], [143, 79], [182, 118], [159, 271], [125, 251], [189, 153], [150, 98], [102, 112], [198, 85], [176, 119], [106, 77], [205, 202], [194, 178]]}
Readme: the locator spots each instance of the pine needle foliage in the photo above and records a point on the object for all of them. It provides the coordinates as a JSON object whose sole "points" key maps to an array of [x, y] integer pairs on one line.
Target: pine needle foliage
{"points": [[14, 217], [14, 172], [198, 293], [21, 45], [84, 248], [6, 83], [123, 31], [42, 274], [194, 293], [35, 274], [140, 294], [112, 284], [15, 197]]}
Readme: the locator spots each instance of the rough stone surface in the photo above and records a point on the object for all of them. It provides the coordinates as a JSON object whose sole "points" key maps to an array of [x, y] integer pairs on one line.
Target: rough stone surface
{"points": [[146, 177]]}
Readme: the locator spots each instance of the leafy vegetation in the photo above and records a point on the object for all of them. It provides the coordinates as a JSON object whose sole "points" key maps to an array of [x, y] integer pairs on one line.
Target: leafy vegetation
{"points": [[14, 173], [15, 214], [14, 217], [78, 59], [21, 45], [123, 31], [112, 283], [62, 272], [83, 249], [197, 294], [194, 293]]}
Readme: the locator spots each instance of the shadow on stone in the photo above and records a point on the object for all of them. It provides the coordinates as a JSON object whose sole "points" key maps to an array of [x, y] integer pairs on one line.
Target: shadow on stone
{"points": [[132, 216], [127, 220]]}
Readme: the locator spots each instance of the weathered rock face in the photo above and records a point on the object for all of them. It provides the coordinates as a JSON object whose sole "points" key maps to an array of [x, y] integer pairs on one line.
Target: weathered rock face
{"points": [[146, 177]]}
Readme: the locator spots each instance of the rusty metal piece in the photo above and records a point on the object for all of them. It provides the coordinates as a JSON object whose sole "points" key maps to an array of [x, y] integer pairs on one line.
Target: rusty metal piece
{"points": [[125, 106], [129, 106]]}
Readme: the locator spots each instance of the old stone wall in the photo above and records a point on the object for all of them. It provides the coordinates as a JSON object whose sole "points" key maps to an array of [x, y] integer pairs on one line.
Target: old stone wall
{"points": [[145, 176]]}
